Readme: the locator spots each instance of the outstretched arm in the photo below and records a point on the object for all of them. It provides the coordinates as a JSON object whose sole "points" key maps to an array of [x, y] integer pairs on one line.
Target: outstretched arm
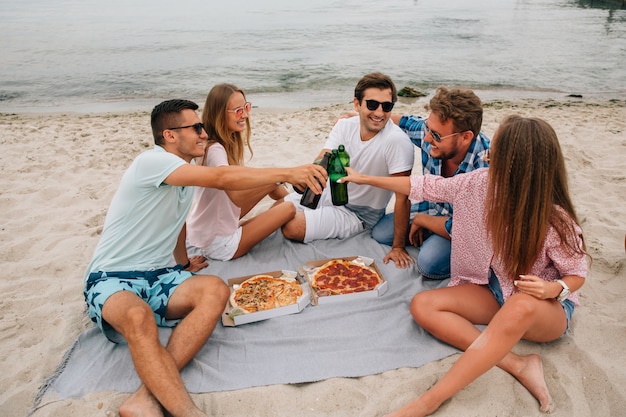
{"points": [[243, 178], [402, 208], [401, 185]]}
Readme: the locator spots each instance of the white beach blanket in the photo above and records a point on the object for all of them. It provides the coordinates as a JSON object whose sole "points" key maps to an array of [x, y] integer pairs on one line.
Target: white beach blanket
{"points": [[352, 339]]}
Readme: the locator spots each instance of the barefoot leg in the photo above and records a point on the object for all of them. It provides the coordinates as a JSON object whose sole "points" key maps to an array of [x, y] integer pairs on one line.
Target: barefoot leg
{"points": [[141, 403], [522, 316], [528, 370]]}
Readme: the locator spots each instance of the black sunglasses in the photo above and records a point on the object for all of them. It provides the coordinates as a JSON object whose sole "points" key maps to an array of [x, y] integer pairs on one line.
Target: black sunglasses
{"points": [[198, 127], [373, 105]]}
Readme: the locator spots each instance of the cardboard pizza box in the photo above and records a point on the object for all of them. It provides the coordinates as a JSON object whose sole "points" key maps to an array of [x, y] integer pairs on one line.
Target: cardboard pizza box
{"points": [[310, 266], [304, 300]]}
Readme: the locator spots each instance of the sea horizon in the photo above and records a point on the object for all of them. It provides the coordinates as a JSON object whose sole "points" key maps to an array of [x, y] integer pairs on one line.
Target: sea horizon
{"points": [[86, 56]]}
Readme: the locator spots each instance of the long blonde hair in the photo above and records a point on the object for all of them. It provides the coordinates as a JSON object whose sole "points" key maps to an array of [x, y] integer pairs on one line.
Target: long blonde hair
{"points": [[527, 180], [214, 119]]}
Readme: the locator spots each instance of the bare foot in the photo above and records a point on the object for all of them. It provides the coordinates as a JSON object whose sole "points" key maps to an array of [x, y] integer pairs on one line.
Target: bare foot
{"points": [[531, 376], [415, 408], [141, 404]]}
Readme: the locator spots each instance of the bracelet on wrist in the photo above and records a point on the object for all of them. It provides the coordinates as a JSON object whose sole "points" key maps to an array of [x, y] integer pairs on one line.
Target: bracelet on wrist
{"points": [[187, 265]]}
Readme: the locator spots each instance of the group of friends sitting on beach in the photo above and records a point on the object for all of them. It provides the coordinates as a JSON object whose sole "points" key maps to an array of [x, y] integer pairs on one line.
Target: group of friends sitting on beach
{"points": [[492, 216]]}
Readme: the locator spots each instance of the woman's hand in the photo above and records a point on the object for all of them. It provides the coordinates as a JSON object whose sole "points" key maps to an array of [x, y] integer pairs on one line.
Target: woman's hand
{"points": [[309, 175], [537, 287], [352, 176]]}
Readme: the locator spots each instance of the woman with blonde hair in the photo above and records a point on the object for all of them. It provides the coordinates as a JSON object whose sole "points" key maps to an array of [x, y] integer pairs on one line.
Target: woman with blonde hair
{"points": [[518, 258], [213, 225]]}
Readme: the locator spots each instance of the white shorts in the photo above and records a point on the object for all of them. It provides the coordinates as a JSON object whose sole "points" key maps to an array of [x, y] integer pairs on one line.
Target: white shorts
{"points": [[327, 221], [223, 248]]}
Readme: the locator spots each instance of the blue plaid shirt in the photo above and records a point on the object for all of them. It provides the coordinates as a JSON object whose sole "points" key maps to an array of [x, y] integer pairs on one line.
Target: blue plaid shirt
{"points": [[474, 159]]}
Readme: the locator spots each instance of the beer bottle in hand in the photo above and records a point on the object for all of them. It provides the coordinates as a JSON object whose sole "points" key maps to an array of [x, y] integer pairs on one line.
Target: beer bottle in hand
{"points": [[309, 198], [343, 156], [338, 191]]}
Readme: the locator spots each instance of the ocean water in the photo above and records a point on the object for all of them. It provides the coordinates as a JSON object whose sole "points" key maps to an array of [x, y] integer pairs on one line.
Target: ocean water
{"points": [[88, 55]]}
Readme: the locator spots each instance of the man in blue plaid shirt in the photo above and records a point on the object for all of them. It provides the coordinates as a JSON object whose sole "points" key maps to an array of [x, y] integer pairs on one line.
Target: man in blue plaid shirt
{"points": [[451, 143]]}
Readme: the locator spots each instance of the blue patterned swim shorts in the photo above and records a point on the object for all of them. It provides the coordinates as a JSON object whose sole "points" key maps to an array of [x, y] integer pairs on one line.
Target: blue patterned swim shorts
{"points": [[154, 287]]}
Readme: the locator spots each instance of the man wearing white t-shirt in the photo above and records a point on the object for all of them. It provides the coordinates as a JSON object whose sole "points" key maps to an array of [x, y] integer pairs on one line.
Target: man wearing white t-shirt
{"points": [[140, 276], [377, 147]]}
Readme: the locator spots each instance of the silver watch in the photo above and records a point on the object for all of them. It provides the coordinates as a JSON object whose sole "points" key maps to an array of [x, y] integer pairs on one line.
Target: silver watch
{"points": [[565, 293]]}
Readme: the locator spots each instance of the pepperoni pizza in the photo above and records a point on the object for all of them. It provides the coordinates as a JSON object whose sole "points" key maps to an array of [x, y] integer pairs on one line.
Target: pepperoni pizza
{"points": [[339, 276]]}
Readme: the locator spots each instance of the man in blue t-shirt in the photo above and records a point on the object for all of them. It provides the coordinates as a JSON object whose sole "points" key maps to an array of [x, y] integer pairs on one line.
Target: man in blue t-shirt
{"points": [[140, 276], [451, 143]]}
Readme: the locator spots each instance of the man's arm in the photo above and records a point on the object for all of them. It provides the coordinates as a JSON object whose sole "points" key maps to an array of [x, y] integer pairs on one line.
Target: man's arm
{"points": [[402, 209], [423, 221], [243, 178], [196, 263]]}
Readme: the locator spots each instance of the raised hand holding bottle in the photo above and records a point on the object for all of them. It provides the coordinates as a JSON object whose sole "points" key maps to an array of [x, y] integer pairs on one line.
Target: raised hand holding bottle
{"points": [[309, 198]]}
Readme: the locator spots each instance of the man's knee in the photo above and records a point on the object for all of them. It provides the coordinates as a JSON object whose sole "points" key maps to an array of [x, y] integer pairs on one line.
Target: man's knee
{"points": [[295, 229], [434, 267], [433, 260], [211, 286], [138, 323], [382, 235], [208, 292]]}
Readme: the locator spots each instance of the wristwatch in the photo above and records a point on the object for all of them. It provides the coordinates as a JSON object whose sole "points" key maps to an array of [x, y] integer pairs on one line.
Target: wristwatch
{"points": [[565, 293]]}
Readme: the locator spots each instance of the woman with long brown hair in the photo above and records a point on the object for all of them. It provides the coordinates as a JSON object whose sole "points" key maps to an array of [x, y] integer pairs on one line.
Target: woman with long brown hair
{"points": [[213, 225], [518, 258]]}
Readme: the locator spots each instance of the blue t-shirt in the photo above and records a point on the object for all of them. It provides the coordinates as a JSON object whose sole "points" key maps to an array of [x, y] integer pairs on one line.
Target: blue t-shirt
{"points": [[145, 216]]}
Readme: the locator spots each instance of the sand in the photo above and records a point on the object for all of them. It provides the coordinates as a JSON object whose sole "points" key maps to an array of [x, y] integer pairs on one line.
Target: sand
{"points": [[59, 172]]}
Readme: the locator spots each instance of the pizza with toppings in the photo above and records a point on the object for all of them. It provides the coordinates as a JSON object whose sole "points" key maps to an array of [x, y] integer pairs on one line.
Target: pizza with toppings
{"points": [[264, 292], [340, 276]]}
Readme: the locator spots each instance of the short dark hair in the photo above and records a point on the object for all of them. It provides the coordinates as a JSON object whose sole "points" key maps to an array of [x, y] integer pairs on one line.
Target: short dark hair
{"points": [[164, 116], [375, 80]]}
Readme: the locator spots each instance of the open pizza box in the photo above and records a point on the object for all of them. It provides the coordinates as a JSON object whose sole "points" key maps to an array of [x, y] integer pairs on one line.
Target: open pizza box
{"points": [[235, 317], [307, 271]]}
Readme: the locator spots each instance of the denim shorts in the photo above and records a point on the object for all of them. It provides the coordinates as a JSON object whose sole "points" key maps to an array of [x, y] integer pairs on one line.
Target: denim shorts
{"points": [[154, 287], [496, 290]]}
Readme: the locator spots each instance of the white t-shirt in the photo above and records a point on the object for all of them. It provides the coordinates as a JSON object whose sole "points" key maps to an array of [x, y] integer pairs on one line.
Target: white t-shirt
{"points": [[145, 216], [213, 213], [387, 153]]}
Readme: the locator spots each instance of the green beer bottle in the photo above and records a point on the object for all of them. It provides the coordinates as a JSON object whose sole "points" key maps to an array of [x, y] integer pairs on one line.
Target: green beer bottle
{"points": [[343, 156], [338, 191]]}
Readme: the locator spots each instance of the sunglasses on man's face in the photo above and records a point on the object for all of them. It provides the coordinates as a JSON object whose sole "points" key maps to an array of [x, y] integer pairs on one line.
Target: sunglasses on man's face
{"points": [[436, 136], [198, 127], [373, 105]]}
